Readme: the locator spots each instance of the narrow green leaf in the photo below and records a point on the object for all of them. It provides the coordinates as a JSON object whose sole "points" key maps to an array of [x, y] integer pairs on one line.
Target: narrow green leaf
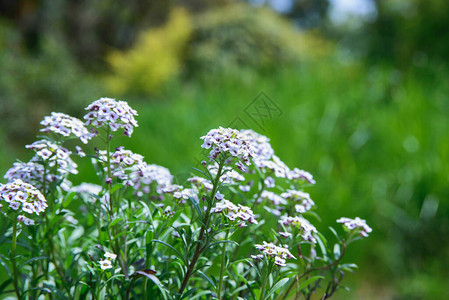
{"points": [[207, 175], [337, 251], [3, 263], [32, 260], [116, 187], [276, 287], [309, 281], [115, 221], [195, 204], [222, 242], [4, 285], [335, 233], [171, 247], [208, 279]]}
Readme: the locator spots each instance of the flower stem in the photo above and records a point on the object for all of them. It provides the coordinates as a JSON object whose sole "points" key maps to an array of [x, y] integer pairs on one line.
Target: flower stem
{"points": [[265, 280], [222, 267], [204, 227], [13, 258], [109, 175]]}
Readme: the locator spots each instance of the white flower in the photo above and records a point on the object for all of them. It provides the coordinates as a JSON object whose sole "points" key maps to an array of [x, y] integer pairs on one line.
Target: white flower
{"points": [[112, 113], [307, 229], [285, 234], [356, 223], [269, 182], [25, 220], [54, 155], [301, 175], [245, 188], [66, 125], [230, 176], [201, 182], [109, 255], [80, 151], [239, 213], [105, 264], [274, 198], [279, 261], [280, 254], [230, 141], [32, 173], [146, 175], [306, 203], [29, 199], [261, 143]]}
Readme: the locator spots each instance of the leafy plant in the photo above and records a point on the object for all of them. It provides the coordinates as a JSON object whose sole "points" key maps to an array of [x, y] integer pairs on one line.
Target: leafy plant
{"points": [[239, 228]]}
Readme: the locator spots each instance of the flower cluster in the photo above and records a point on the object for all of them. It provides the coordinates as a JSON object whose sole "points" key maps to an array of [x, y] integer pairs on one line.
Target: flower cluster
{"points": [[306, 229], [304, 198], [112, 113], [280, 254], [183, 194], [107, 263], [123, 162], [297, 174], [145, 175], [55, 155], [23, 196], [239, 213], [229, 175], [356, 223], [201, 183], [231, 141], [272, 197], [66, 125], [31, 172], [261, 144]]}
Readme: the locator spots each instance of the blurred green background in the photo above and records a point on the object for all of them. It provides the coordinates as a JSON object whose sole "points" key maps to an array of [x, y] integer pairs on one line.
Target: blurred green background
{"points": [[359, 92]]}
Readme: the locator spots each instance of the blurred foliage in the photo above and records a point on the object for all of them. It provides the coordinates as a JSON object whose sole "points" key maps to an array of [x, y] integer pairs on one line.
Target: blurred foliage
{"points": [[409, 32], [236, 37], [33, 85], [155, 58]]}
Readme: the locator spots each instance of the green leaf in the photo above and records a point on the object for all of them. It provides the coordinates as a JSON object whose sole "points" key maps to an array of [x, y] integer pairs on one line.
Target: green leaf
{"points": [[31, 260], [337, 251], [207, 175], [116, 187], [276, 287], [348, 267], [335, 233], [42, 289], [212, 283], [115, 221], [309, 281], [323, 245], [4, 285], [195, 204], [171, 247], [222, 242], [97, 166], [3, 263], [68, 199], [123, 233]]}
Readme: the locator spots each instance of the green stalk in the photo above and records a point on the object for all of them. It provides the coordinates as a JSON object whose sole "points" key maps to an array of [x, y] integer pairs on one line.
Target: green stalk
{"points": [[222, 268], [265, 280], [204, 227], [99, 286], [15, 271], [108, 163]]}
